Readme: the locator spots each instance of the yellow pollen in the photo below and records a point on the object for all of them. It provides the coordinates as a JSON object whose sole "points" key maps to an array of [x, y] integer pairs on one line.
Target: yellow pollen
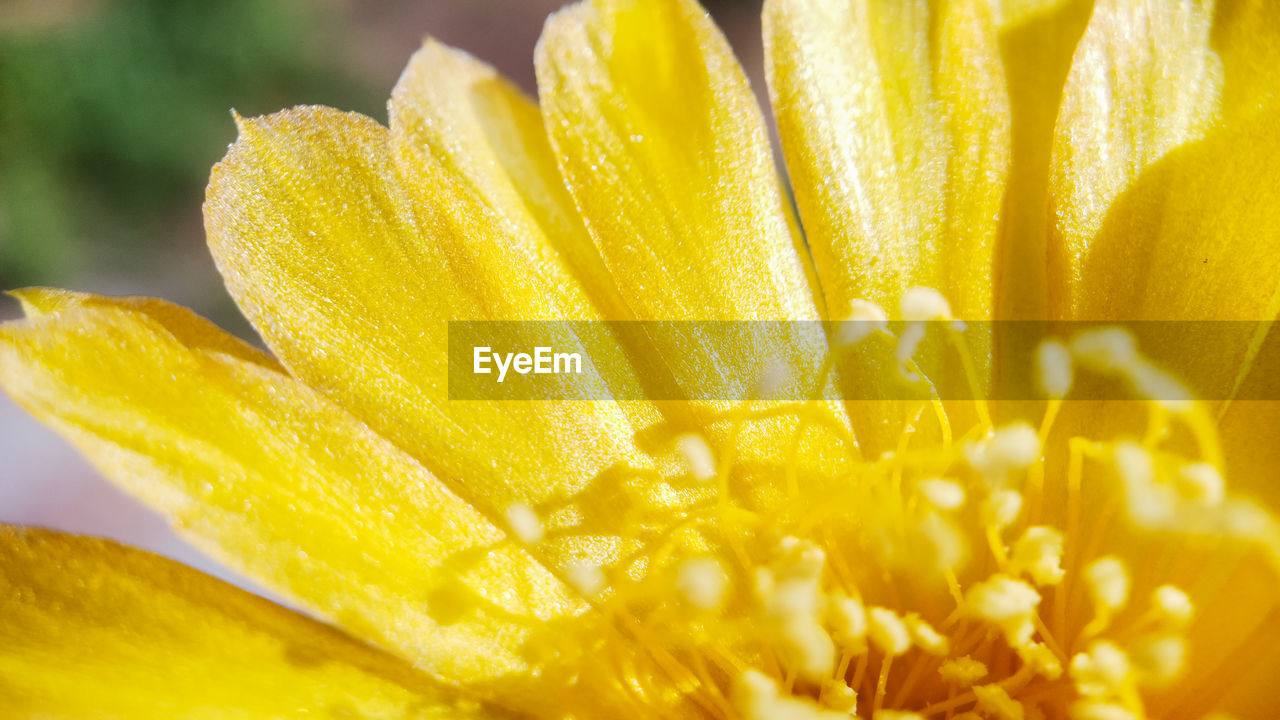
{"points": [[1038, 554], [1004, 534], [1008, 604], [995, 702], [962, 671], [756, 697], [1108, 583], [524, 523], [1105, 350], [773, 378], [925, 637], [1002, 508], [847, 618], [1159, 659], [702, 583], [921, 304], [942, 494], [837, 695], [1172, 606], [1053, 369], [887, 631], [588, 580], [864, 319], [698, 457], [1201, 482], [1014, 447], [1039, 659], [1102, 671]]}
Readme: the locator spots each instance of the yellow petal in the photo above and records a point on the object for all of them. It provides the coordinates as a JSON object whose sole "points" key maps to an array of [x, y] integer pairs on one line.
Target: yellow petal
{"points": [[91, 629], [283, 485], [452, 109], [1246, 35], [1143, 82], [895, 124], [1194, 238], [1037, 40], [190, 329], [664, 149], [352, 269]]}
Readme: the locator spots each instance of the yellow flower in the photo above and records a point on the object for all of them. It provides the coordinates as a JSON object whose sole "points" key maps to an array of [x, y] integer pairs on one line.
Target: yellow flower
{"points": [[893, 559]]}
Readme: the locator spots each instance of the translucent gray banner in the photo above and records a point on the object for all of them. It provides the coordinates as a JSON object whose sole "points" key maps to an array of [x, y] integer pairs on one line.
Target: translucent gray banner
{"points": [[722, 361]]}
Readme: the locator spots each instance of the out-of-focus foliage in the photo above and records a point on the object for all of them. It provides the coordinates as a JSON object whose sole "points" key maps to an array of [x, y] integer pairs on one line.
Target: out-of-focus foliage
{"points": [[112, 114]]}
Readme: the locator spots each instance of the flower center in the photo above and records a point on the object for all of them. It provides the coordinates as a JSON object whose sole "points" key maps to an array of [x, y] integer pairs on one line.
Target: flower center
{"points": [[1058, 568]]}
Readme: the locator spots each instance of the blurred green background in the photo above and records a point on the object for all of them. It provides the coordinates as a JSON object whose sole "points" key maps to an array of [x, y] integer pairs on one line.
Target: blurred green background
{"points": [[112, 112]]}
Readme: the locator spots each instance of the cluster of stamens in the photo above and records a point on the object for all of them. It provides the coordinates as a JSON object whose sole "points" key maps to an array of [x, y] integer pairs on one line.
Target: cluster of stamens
{"points": [[961, 578]]}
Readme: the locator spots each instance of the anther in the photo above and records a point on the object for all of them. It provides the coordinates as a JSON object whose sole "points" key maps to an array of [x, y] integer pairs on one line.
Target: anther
{"points": [[697, 456], [524, 523], [1101, 671], [887, 631], [1172, 606], [1001, 508], [962, 671], [864, 319], [702, 583], [942, 493], [1108, 583], [1201, 482], [847, 618], [1041, 660], [1106, 350], [588, 580], [1159, 659], [996, 703], [925, 637], [1053, 369], [921, 304], [1038, 553], [1014, 447], [1008, 604]]}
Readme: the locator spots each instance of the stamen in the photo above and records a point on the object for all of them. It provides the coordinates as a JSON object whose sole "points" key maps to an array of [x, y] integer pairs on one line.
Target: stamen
{"points": [[1108, 583], [1102, 671], [847, 618], [1106, 350], [887, 631], [588, 580], [702, 583], [864, 319], [1053, 369], [962, 671], [942, 493], [1038, 553], [1006, 603], [1172, 606], [697, 456], [996, 703], [525, 523]]}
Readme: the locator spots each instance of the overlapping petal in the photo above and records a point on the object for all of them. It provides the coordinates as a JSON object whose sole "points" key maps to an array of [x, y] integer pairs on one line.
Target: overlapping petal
{"points": [[664, 149], [1143, 82], [894, 121], [351, 264], [281, 484], [90, 629]]}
